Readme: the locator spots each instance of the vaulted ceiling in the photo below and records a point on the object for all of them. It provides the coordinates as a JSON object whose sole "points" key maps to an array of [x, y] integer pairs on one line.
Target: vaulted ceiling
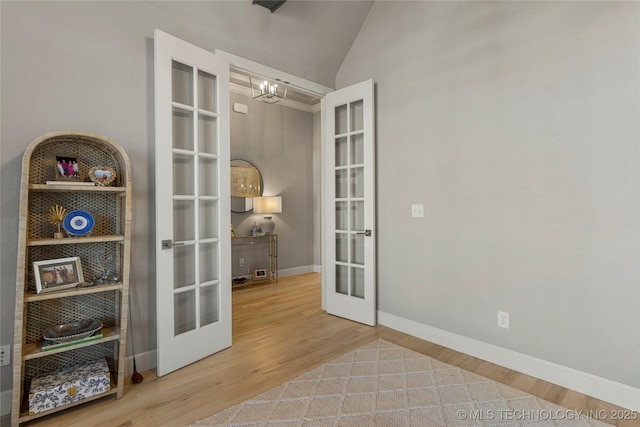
{"points": [[300, 35]]}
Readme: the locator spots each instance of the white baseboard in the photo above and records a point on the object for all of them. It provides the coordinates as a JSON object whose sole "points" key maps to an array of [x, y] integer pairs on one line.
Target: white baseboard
{"points": [[296, 270], [144, 362], [582, 382], [292, 271], [5, 403]]}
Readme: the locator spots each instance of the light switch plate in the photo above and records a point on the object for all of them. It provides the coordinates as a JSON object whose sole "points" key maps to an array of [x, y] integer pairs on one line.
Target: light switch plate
{"points": [[417, 211]]}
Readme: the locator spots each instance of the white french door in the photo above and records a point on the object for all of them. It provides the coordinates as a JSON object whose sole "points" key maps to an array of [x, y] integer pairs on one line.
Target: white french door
{"points": [[192, 203], [349, 240]]}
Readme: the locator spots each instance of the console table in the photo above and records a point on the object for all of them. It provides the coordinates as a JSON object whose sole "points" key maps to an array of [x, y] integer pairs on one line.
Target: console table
{"points": [[269, 242]]}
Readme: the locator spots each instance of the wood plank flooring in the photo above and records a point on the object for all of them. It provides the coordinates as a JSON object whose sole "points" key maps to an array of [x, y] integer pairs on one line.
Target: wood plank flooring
{"points": [[279, 332]]}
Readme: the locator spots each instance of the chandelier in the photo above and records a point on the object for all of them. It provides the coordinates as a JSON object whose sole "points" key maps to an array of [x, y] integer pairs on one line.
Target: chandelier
{"points": [[268, 92]]}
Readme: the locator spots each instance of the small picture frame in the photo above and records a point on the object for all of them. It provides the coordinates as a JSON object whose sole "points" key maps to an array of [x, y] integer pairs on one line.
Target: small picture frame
{"points": [[67, 169], [102, 175], [260, 274], [55, 274]]}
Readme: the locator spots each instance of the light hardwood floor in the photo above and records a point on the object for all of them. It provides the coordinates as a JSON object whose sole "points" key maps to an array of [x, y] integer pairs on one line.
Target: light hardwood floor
{"points": [[279, 332]]}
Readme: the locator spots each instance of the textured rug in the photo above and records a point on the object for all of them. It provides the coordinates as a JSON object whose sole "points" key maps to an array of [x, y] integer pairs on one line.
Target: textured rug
{"points": [[382, 384]]}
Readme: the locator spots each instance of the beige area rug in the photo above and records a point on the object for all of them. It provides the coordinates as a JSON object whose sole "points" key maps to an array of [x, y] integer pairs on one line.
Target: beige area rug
{"points": [[382, 384]]}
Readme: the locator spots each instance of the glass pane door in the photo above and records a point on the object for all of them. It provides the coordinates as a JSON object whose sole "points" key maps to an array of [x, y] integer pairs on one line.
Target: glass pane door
{"points": [[195, 199], [349, 242], [349, 199], [193, 267]]}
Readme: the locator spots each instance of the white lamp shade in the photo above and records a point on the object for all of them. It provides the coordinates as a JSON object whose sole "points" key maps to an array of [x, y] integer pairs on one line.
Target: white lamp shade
{"points": [[267, 204]]}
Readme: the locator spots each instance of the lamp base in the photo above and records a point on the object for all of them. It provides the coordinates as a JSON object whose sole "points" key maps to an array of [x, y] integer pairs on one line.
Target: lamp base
{"points": [[268, 226]]}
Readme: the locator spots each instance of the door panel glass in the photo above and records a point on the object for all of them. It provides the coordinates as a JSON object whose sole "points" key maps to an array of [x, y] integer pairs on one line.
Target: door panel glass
{"points": [[209, 270], [357, 216], [341, 216], [184, 263], [342, 250], [341, 120], [192, 149], [357, 117], [350, 163], [184, 220], [183, 175], [182, 83], [208, 219], [342, 151], [209, 305], [357, 149], [207, 96], [357, 182], [357, 249], [342, 279], [182, 129], [207, 134], [208, 177], [184, 312], [357, 280], [342, 184]]}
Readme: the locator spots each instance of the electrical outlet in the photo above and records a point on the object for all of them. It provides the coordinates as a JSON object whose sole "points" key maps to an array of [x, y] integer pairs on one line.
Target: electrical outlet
{"points": [[241, 262], [503, 319], [5, 358]]}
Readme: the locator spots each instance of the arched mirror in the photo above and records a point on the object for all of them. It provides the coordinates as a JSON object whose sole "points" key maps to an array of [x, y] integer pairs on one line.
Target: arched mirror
{"points": [[246, 183]]}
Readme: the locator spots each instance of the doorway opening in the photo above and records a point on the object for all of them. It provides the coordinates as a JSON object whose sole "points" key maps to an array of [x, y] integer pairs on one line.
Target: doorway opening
{"points": [[283, 142]]}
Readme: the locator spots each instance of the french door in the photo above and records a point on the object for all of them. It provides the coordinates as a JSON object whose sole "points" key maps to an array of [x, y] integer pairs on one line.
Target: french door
{"points": [[349, 240], [192, 203]]}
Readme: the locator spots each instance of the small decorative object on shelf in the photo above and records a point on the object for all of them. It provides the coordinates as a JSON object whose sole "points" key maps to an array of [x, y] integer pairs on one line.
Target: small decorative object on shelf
{"points": [[260, 274], [56, 216], [102, 175], [233, 231], [67, 169], [68, 385], [55, 274], [72, 331], [52, 345], [109, 274], [78, 223], [255, 229]]}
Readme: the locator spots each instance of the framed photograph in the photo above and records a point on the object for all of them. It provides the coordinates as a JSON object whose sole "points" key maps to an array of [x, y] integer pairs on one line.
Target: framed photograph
{"points": [[260, 274], [67, 169], [102, 175], [54, 274]]}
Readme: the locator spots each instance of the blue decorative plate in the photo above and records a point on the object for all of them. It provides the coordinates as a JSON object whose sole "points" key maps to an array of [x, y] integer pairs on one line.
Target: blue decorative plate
{"points": [[78, 223]]}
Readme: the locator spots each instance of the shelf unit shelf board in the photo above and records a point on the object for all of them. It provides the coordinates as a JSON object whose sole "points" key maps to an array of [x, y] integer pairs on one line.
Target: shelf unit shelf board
{"points": [[72, 292], [24, 416], [75, 240], [34, 350], [76, 188]]}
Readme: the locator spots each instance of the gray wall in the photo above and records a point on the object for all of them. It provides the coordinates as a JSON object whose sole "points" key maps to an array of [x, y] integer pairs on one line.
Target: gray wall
{"points": [[278, 140], [516, 124]]}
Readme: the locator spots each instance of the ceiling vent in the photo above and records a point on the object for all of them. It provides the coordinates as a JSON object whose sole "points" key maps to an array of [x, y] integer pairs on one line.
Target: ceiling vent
{"points": [[271, 5]]}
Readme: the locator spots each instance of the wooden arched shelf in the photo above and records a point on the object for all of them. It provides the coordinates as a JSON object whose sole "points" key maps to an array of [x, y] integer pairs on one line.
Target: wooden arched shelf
{"points": [[110, 238]]}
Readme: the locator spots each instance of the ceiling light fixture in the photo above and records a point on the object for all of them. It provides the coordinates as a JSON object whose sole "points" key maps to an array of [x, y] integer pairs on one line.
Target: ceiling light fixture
{"points": [[268, 92]]}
